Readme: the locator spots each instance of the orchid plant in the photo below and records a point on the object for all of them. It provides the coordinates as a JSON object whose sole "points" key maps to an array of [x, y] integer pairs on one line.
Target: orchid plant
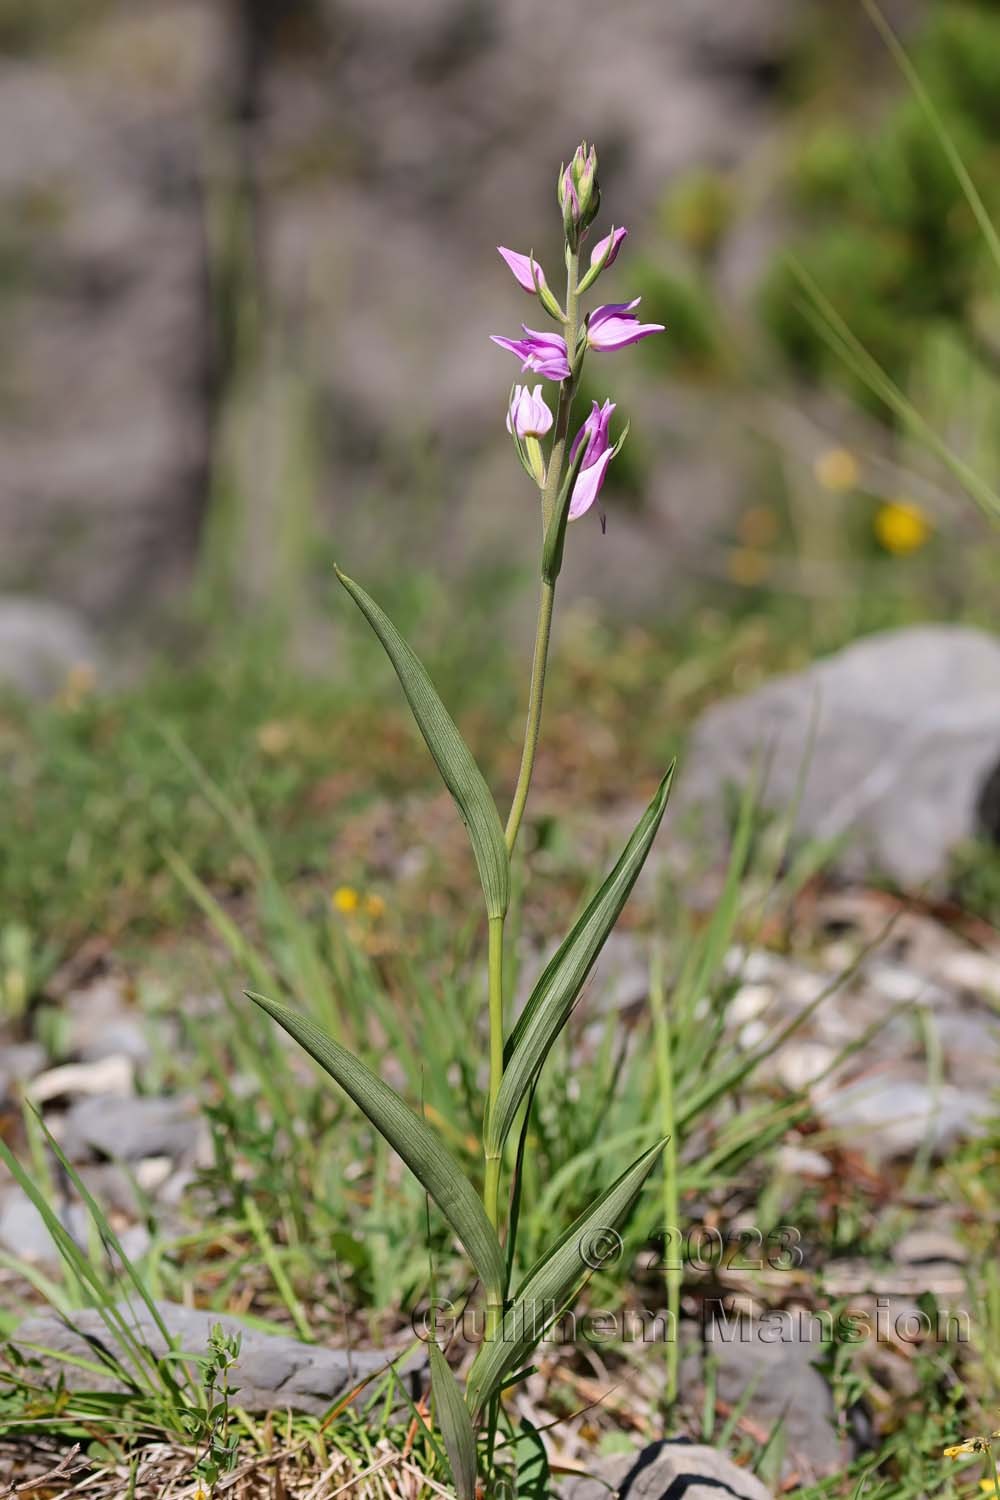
{"points": [[569, 473]]}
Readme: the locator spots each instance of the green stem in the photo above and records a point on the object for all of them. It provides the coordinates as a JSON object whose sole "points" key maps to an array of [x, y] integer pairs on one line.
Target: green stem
{"points": [[567, 390], [554, 476], [491, 1188], [533, 727], [543, 631], [663, 1044]]}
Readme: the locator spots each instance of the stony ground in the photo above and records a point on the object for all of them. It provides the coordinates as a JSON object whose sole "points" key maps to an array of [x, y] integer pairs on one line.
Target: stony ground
{"points": [[891, 1068]]}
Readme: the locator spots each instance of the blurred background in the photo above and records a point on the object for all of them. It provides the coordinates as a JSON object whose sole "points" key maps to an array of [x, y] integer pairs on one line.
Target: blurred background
{"points": [[248, 273], [248, 270]]}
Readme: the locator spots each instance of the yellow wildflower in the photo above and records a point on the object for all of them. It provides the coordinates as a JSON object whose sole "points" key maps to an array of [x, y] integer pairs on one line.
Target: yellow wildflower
{"points": [[374, 906], [901, 527], [972, 1445], [345, 899], [837, 470]]}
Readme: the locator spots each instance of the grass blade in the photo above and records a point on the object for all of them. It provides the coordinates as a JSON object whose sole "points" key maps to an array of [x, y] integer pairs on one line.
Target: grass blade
{"points": [[452, 756], [430, 1161], [838, 335], [456, 1425], [941, 133], [551, 1281], [553, 997]]}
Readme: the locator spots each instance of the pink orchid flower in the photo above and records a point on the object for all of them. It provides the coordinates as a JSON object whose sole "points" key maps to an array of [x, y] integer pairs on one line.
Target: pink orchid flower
{"points": [[528, 415], [598, 454], [544, 353], [614, 326]]}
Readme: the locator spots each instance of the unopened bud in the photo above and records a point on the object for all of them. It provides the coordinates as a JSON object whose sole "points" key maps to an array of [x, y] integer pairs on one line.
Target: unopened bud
{"points": [[579, 194]]}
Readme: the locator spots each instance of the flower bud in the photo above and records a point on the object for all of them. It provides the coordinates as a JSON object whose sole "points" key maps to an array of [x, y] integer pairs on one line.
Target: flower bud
{"points": [[579, 194], [528, 419]]}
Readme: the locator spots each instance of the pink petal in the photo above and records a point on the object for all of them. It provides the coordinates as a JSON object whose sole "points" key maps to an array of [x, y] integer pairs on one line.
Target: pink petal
{"points": [[588, 485], [522, 268], [614, 239], [617, 333], [611, 310]]}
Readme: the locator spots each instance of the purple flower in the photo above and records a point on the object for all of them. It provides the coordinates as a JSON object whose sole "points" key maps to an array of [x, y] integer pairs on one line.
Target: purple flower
{"points": [[598, 455], [611, 243], [614, 325], [528, 414], [544, 353], [588, 486], [595, 432], [525, 269]]}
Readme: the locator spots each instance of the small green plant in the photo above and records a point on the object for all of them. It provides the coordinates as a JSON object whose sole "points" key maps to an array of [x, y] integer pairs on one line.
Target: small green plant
{"points": [[211, 1426], [569, 475]]}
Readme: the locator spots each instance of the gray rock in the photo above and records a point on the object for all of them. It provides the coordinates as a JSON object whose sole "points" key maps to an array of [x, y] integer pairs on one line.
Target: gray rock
{"points": [[42, 645], [892, 1118], [272, 1372], [103, 451], [23, 1230], [449, 105], [931, 1245], [899, 736], [112, 1075], [127, 1037], [19, 1064], [101, 1018], [689, 1470], [128, 1187], [129, 1129], [775, 1355]]}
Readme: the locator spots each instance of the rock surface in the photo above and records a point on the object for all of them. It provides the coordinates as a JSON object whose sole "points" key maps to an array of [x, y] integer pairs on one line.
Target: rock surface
{"points": [[786, 1387], [272, 1373], [42, 646], [667, 1471], [898, 737], [130, 1129], [394, 144], [24, 1232]]}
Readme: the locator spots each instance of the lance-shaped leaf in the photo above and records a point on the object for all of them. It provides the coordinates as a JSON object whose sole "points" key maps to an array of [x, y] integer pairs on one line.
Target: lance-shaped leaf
{"points": [[549, 1284], [534, 1481], [455, 1424], [554, 996], [407, 1133], [459, 771]]}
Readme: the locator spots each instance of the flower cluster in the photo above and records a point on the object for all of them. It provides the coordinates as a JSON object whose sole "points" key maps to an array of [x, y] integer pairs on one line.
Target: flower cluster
{"points": [[559, 356]]}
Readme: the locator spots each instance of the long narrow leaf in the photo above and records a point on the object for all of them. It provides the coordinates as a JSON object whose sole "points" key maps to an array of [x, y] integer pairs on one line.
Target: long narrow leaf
{"points": [[941, 132], [838, 335], [430, 1162], [459, 771], [553, 997], [453, 1419], [551, 1281]]}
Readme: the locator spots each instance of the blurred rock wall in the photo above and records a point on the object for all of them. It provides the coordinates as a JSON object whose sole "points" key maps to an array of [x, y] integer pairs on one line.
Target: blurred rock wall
{"points": [[364, 157]]}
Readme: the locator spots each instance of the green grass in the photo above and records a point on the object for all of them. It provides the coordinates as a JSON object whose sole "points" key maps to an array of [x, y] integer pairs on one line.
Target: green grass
{"points": [[327, 1252]]}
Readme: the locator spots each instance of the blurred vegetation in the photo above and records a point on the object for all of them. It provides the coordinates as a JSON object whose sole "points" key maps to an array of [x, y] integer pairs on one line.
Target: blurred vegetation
{"points": [[891, 239]]}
